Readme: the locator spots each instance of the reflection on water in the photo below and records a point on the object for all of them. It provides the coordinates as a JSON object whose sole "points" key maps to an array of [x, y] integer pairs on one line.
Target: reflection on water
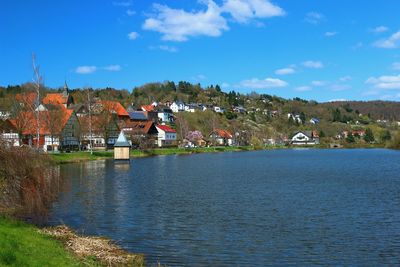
{"points": [[298, 207]]}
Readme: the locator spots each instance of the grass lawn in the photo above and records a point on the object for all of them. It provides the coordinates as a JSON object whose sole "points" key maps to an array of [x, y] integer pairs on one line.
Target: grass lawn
{"points": [[84, 156], [22, 245]]}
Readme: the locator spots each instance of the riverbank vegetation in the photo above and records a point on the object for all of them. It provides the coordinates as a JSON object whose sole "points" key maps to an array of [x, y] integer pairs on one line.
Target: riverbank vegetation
{"points": [[98, 155], [28, 182]]}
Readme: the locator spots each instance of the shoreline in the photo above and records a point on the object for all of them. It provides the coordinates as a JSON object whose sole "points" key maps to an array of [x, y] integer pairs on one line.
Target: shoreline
{"points": [[58, 246], [83, 156]]}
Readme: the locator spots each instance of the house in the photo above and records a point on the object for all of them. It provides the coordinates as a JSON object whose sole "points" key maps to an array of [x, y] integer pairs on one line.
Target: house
{"points": [[116, 108], [99, 131], [165, 114], [218, 109], [4, 114], [221, 137], [295, 117], [239, 109], [8, 133], [58, 129], [177, 106], [314, 121], [140, 132], [355, 133], [166, 136], [63, 98], [305, 138]]}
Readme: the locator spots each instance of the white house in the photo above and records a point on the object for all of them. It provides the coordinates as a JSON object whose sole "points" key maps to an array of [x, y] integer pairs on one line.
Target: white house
{"points": [[296, 118], [305, 138], [177, 106], [218, 109], [166, 136], [222, 137], [314, 121], [165, 114]]}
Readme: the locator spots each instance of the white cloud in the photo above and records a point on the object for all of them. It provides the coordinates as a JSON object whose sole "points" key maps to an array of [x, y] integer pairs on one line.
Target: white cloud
{"points": [[285, 71], [313, 64], [133, 35], [167, 48], [130, 12], [319, 83], [385, 82], [396, 66], [122, 3], [303, 88], [179, 25], [245, 10], [392, 42], [199, 78], [379, 29], [85, 69], [330, 34], [113, 68], [314, 17], [266, 83], [340, 87]]}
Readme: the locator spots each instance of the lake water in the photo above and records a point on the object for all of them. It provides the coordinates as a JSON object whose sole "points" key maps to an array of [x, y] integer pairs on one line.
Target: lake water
{"points": [[264, 208]]}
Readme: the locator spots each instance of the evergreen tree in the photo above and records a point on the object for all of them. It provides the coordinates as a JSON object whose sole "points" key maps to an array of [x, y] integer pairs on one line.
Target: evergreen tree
{"points": [[386, 136], [350, 138], [369, 136]]}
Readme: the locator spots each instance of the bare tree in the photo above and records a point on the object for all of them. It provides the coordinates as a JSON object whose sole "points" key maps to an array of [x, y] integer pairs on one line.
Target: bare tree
{"points": [[38, 81]]}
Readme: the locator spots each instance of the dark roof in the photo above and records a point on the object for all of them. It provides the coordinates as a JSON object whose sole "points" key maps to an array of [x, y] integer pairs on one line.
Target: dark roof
{"points": [[137, 116]]}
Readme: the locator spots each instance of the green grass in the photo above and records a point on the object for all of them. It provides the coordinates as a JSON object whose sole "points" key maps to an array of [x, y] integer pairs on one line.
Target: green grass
{"points": [[22, 245], [85, 156]]}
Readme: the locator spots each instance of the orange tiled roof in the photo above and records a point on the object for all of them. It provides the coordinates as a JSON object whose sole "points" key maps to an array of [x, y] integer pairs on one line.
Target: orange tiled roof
{"points": [[45, 122], [55, 98], [223, 133], [28, 98], [115, 106], [147, 107]]}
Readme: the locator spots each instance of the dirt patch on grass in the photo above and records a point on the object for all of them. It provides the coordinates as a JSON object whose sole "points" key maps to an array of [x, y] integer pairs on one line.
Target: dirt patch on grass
{"points": [[102, 249]]}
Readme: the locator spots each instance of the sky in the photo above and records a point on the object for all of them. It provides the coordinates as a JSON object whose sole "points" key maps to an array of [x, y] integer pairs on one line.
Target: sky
{"points": [[314, 49]]}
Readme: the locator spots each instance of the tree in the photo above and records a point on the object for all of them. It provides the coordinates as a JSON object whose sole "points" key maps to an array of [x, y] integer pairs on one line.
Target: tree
{"points": [[336, 115], [38, 81], [369, 136], [386, 136], [54, 117], [350, 138]]}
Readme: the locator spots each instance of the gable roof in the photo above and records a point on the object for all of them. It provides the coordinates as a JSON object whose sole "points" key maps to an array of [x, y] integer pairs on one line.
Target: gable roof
{"points": [[122, 141], [46, 122], [223, 133], [147, 107], [115, 107], [26, 98], [166, 128], [55, 98], [145, 127]]}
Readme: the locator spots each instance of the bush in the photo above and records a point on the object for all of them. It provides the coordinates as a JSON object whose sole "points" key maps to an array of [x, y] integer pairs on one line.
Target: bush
{"points": [[27, 181]]}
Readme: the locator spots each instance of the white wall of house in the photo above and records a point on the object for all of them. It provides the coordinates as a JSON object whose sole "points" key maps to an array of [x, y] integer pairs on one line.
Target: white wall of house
{"points": [[11, 138], [165, 138], [176, 107]]}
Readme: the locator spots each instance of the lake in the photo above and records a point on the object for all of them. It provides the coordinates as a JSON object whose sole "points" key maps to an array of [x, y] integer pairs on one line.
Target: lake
{"points": [[264, 208]]}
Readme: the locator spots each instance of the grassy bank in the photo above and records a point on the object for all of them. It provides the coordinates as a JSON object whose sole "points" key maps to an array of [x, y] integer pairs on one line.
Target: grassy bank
{"points": [[23, 245], [26, 245], [85, 156]]}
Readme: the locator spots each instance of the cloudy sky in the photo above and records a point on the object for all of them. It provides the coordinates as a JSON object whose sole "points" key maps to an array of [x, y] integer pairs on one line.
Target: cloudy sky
{"points": [[322, 50]]}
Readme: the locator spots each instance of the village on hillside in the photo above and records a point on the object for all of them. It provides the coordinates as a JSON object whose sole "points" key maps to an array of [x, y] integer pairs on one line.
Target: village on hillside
{"points": [[56, 122]]}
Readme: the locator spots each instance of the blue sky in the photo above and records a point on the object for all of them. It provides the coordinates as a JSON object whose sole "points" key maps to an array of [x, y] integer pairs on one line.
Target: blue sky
{"points": [[322, 50]]}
